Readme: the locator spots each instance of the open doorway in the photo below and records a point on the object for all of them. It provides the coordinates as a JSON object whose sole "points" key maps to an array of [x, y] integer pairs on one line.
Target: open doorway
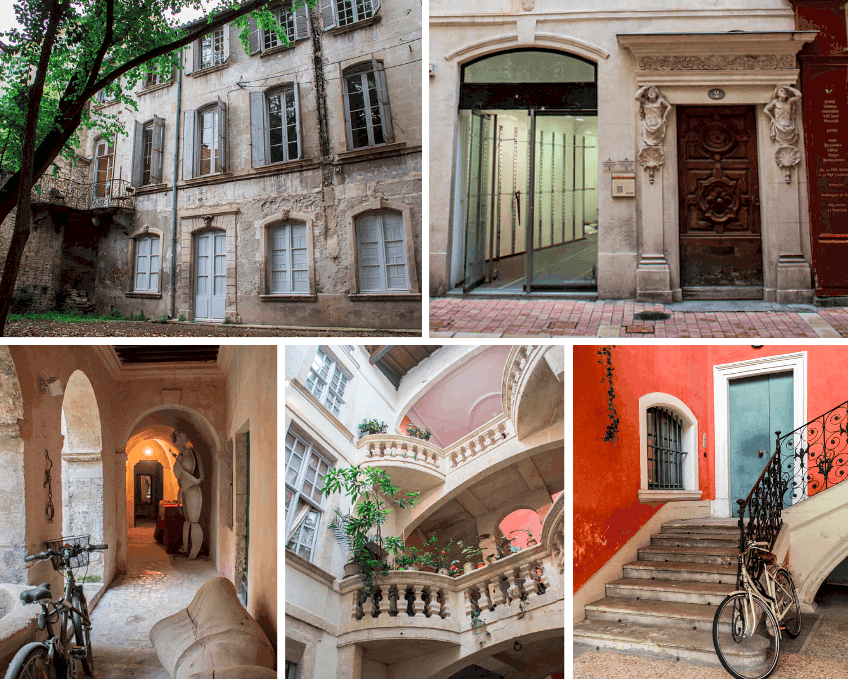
{"points": [[526, 189]]}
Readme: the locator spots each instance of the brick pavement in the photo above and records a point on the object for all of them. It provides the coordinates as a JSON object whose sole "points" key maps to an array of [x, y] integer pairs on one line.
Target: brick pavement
{"points": [[154, 587], [454, 317]]}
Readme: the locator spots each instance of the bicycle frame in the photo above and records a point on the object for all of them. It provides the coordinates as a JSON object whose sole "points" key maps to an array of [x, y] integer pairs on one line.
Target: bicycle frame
{"points": [[766, 593]]}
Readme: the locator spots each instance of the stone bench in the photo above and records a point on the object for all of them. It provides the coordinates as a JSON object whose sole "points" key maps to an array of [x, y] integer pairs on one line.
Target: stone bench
{"points": [[213, 637]]}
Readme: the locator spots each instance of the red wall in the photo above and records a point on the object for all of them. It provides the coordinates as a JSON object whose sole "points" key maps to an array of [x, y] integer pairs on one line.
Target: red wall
{"points": [[607, 511]]}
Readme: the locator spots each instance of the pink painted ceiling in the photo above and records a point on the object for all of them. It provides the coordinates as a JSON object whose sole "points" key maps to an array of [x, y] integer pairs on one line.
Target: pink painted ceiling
{"points": [[465, 399]]}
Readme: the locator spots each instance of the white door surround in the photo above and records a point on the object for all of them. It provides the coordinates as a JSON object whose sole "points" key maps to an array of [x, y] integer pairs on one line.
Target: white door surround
{"points": [[722, 374]]}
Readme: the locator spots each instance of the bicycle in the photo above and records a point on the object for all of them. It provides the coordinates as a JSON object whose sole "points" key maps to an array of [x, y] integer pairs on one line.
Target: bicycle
{"points": [[54, 658], [747, 623]]}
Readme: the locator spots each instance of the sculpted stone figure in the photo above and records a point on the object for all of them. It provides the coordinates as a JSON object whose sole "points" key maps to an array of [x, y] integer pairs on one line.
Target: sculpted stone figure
{"points": [[654, 113], [781, 112], [189, 473]]}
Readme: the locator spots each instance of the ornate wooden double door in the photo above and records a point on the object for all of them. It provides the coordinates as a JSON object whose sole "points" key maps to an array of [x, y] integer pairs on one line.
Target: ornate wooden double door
{"points": [[720, 240]]}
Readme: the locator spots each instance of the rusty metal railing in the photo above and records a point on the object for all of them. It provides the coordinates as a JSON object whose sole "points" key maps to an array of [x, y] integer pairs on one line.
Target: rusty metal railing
{"points": [[63, 191]]}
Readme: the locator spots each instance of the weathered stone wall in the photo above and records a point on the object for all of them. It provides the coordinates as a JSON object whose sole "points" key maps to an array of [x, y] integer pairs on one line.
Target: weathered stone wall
{"points": [[12, 506]]}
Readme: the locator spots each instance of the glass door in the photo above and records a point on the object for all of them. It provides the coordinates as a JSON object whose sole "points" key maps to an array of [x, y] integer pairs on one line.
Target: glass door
{"points": [[562, 223], [479, 200]]}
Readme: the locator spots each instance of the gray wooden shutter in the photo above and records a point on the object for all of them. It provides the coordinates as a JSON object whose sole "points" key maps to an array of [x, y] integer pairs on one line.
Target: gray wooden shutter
{"points": [[255, 39], [189, 57], [226, 28], [383, 96], [301, 21], [328, 14], [188, 144], [138, 154], [297, 118], [221, 158], [156, 150], [348, 132], [258, 132]]}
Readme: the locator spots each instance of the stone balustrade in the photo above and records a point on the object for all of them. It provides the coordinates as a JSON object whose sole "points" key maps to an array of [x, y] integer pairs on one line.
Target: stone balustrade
{"points": [[479, 442], [405, 594], [519, 360], [406, 448]]}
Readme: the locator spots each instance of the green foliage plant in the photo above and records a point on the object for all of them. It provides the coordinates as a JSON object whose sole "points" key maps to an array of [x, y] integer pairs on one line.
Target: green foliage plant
{"points": [[372, 427], [424, 434]]}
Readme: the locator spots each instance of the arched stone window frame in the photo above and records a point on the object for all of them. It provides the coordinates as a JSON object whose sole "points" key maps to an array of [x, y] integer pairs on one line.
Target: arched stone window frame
{"points": [[285, 217], [690, 445], [131, 292], [376, 205]]}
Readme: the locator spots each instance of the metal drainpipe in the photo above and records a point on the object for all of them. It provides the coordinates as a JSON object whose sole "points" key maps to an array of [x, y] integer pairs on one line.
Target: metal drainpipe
{"points": [[173, 296]]}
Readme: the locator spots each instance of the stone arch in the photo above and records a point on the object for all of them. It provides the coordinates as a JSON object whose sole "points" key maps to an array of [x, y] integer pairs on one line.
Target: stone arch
{"points": [[205, 440], [540, 401], [82, 463], [12, 500]]}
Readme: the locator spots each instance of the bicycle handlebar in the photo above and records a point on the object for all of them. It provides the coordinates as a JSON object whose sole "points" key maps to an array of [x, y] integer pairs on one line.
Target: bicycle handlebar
{"points": [[38, 557], [41, 556]]}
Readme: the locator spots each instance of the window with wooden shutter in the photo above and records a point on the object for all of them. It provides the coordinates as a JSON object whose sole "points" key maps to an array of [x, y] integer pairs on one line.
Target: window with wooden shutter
{"points": [[147, 264], [275, 126], [288, 262], [189, 144], [381, 252], [212, 48], [156, 150], [208, 128], [351, 11], [328, 14], [366, 105]]}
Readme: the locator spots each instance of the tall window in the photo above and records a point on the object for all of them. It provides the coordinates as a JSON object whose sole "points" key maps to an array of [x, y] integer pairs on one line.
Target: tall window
{"points": [[147, 264], [207, 141], [305, 470], [285, 17], [275, 126], [381, 252], [289, 265], [665, 449], [327, 382], [366, 100], [147, 153], [103, 156], [212, 49]]}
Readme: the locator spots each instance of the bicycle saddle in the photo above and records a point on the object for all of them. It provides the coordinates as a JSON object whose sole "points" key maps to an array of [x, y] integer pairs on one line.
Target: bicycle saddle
{"points": [[768, 557], [29, 596]]}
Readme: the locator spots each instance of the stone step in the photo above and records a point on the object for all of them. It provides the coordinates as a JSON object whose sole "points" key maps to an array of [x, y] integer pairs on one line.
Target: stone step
{"points": [[658, 613], [686, 554], [668, 643], [703, 526], [689, 572], [694, 540], [707, 593]]}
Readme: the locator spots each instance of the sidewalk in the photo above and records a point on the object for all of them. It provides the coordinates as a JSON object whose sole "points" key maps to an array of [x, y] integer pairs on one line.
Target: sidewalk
{"points": [[464, 317]]}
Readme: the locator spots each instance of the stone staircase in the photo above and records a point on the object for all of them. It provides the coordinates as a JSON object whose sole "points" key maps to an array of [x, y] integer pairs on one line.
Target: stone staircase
{"points": [[664, 605]]}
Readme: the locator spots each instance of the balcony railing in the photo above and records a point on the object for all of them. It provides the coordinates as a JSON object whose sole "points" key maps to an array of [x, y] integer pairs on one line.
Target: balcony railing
{"points": [[416, 453], [63, 191]]}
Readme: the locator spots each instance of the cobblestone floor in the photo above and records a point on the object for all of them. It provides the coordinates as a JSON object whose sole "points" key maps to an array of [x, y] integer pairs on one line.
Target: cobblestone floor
{"points": [[461, 317], [154, 587], [822, 655]]}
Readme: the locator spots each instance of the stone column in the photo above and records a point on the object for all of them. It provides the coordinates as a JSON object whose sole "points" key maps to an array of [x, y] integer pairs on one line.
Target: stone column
{"points": [[12, 507]]}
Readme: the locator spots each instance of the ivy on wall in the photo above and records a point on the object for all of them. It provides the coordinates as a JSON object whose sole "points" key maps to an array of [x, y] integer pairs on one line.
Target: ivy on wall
{"points": [[605, 361]]}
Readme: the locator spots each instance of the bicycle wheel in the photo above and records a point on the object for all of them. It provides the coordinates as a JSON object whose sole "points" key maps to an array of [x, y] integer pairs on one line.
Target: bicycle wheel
{"points": [[82, 632], [31, 662], [746, 637], [787, 600]]}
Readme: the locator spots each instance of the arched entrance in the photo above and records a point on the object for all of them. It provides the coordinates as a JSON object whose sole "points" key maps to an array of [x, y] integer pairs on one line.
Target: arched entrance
{"points": [[82, 465], [525, 191]]}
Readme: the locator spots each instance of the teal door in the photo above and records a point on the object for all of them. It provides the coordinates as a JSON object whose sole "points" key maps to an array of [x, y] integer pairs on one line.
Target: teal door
{"points": [[759, 406]]}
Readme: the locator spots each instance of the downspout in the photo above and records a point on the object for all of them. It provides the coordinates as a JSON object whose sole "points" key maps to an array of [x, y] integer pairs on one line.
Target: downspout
{"points": [[173, 296]]}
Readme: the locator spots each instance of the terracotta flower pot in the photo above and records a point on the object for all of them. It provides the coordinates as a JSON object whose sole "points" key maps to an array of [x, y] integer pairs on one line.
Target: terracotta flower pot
{"points": [[352, 568], [467, 567], [532, 543], [480, 565]]}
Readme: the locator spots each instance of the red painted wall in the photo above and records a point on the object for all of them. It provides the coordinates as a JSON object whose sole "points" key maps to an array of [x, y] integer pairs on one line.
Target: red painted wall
{"points": [[607, 511]]}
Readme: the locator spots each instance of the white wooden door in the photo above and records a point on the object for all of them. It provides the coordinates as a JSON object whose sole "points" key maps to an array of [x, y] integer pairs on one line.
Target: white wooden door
{"points": [[210, 280]]}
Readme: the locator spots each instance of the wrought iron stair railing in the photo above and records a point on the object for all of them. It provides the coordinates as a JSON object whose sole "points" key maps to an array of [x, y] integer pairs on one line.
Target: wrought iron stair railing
{"points": [[807, 460]]}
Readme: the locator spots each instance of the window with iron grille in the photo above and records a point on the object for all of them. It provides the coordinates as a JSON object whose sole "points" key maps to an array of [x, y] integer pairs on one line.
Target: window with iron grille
{"points": [[327, 382], [665, 449]]}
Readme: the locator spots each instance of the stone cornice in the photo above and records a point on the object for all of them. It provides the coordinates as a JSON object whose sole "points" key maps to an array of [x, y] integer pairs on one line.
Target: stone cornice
{"points": [[182, 371], [311, 619], [710, 44]]}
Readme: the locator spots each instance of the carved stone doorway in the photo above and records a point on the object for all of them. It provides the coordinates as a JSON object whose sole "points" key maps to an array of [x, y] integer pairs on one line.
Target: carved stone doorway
{"points": [[721, 255]]}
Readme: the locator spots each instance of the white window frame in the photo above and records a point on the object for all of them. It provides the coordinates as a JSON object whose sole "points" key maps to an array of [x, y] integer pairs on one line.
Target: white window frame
{"points": [[690, 445], [285, 17], [217, 48], [283, 93], [147, 152], [298, 495], [333, 12], [287, 233], [380, 93], [722, 375], [382, 264], [151, 239], [331, 397], [216, 150]]}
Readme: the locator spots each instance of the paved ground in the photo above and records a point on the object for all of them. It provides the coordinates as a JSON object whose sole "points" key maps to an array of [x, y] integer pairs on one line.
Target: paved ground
{"points": [[457, 317], [39, 328], [154, 587], [821, 655]]}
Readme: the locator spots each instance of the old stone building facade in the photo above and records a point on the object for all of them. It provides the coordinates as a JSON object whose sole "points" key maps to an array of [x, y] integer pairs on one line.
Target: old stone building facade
{"points": [[276, 185], [644, 150]]}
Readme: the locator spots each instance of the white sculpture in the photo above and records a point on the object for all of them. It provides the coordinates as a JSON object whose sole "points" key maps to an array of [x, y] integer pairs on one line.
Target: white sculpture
{"points": [[784, 133], [654, 112], [189, 473]]}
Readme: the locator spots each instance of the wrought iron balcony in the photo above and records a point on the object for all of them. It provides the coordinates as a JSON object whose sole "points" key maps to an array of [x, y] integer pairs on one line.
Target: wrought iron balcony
{"points": [[115, 193]]}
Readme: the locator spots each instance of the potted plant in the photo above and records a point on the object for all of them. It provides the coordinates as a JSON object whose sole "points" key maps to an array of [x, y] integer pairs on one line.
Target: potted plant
{"points": [[339, 527], [366, 489], [531, 540], [472, 553], [372, 427], [424, 434]]}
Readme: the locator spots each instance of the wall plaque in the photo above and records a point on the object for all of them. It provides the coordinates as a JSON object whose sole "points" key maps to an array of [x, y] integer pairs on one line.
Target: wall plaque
{"points": [[716, 93]]}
